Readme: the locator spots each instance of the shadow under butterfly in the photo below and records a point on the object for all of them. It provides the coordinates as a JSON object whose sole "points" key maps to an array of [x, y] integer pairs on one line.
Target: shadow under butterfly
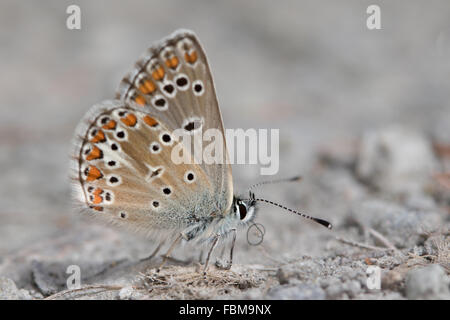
{"points": [[122, 166]]}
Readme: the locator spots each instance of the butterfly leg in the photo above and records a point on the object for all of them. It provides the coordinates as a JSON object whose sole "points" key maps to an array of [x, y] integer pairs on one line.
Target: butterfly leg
{"points": [[154, 252], [231, 250], [166, 256], [230, 262], [215, 241], [200, 256]]}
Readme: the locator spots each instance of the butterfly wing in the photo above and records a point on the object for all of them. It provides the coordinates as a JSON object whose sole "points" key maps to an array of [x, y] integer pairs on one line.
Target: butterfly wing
{"points": [[123, 172], [123, 168], [173, 81]]}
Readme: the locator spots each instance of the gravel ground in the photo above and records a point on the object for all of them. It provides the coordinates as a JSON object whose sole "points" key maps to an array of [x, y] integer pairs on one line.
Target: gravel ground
{"points": [[364, 117]]}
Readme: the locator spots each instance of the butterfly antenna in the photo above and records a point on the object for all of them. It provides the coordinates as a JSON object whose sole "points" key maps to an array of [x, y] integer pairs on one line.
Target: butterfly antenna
{"points": [[320, 221], [293, 179]]}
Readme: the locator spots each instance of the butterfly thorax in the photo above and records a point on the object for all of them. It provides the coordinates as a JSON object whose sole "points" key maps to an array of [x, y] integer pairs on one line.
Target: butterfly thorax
{"points": [[241, 213]]}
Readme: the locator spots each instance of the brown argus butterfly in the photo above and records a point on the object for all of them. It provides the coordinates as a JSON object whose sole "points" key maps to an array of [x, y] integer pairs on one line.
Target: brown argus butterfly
{"points": [[123, 165]]}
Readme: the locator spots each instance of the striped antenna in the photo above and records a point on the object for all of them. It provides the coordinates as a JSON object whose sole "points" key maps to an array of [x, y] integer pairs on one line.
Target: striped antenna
{"points": [[293, 179], [319, 221]]}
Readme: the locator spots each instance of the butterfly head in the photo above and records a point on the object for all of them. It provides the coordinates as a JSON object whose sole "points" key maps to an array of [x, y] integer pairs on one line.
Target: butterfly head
{"points": [[245, 209]]}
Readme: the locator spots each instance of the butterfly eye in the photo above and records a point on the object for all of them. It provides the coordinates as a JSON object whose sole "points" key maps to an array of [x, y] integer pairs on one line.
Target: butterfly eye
{"points": [[242, 211]]}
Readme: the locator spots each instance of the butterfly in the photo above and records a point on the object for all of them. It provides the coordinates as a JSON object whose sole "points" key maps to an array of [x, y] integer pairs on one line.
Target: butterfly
{"points": [[123, 168]]}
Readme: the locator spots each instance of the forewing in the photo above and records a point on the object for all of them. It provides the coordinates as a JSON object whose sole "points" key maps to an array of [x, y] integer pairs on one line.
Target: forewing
{"points": [[173, 81]]}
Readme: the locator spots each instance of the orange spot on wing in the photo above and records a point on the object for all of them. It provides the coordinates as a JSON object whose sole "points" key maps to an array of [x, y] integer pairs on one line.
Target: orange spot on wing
{"points": [[97, 200], [140, 100], [111, 125], [150, 121], [95, 153], [172, 62], [130, 120], [191, 57], [99, 137], [147, 87], [97, 208], [93, 173], [142, 88], [158, 73], [97, 191]]}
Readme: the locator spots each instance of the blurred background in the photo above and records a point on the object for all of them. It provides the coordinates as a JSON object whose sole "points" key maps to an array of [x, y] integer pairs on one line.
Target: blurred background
{"points": [[312, 69]]}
